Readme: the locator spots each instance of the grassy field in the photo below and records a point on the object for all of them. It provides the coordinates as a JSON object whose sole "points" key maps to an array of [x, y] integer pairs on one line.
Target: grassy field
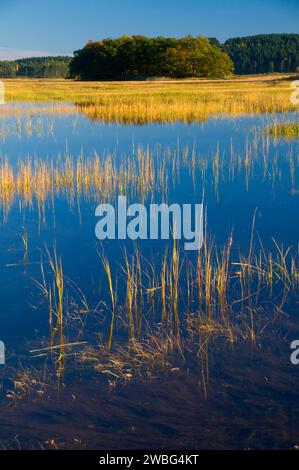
{"points": [[161, 101]]}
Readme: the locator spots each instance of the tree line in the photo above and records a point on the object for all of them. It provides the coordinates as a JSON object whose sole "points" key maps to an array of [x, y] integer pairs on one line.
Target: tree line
{"points": [[265, 53], [139, 57], [36, 67]]}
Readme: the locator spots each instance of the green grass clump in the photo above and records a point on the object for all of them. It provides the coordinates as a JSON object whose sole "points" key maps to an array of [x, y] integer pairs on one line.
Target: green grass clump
{"points": [[288, 130]]}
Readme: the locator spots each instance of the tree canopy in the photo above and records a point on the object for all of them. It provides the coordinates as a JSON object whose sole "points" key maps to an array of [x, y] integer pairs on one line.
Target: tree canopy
{"points": [[265, 53], [130, 57]]}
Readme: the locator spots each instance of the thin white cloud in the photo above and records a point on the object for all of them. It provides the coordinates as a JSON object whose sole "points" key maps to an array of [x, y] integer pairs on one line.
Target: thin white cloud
{"points": [[8, 53]]}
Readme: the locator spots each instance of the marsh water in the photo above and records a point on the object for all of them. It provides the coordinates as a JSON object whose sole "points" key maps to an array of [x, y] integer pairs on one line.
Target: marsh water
{"points": [[248, 394]]}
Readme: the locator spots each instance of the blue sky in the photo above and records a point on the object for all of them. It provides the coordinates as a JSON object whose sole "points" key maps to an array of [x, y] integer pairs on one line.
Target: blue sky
{"points": [[36, 27]]}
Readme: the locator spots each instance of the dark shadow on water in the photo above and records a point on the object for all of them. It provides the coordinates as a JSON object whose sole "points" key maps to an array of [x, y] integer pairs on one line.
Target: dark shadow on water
{"points": [[252, 403]]}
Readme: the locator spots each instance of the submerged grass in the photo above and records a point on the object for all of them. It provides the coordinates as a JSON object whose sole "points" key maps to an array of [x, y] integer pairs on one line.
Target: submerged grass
{"points": [[112, 295], [54, 292]]}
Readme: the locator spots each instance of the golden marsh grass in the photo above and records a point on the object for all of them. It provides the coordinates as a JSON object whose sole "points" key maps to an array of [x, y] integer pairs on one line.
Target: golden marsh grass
{"points": [[161, 101], [289, 130], [143, 173]]}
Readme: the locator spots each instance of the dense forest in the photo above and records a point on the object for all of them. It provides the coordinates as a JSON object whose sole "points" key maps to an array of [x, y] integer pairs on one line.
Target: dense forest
{"points": [[136, 57], [264, 53], [38, 67]]}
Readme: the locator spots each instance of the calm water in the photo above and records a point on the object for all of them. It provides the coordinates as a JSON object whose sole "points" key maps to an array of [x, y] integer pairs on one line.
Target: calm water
{"points": [[237, 171]]}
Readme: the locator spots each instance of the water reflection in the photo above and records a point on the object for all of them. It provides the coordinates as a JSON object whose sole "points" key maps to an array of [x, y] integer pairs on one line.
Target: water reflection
{"points": [[122, 311]]}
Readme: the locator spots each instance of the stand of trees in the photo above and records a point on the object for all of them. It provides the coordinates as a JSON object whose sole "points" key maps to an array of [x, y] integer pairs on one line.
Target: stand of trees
{"points": [[38, 67], [265, 53], [138, 57]]}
